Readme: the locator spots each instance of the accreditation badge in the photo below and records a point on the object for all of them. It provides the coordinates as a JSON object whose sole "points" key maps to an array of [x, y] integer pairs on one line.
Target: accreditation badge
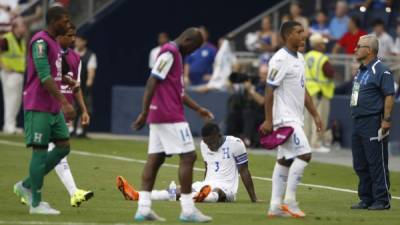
{"points": [[354, 94]]}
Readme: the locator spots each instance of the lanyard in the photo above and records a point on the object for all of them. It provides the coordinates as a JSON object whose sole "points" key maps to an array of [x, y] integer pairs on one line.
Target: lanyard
{"points": [[364, 78]]}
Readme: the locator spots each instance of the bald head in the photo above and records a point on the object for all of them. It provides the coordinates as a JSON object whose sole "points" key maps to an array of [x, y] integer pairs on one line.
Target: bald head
{"points": [[189, 40], [192, 33], [371, 41]]}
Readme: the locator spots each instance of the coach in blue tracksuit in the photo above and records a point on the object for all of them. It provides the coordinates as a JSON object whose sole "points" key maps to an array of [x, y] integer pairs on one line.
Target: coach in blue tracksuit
{"points": [[371, 106]]}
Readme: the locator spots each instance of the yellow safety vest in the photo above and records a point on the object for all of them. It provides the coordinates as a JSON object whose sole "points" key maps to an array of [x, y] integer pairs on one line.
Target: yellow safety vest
{"points": [[316, 79], [15, 57]]}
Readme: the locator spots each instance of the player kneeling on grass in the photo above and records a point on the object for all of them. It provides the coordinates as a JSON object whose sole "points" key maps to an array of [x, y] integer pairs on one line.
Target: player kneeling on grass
{"points": [[225, 158]]}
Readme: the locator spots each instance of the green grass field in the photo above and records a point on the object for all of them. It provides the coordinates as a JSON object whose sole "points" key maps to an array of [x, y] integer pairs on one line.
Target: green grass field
{"points": [[109, 158]]}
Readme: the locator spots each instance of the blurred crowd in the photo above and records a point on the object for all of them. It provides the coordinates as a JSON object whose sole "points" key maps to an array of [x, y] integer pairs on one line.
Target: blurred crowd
{"points": [[19, 20], [330, 32]]}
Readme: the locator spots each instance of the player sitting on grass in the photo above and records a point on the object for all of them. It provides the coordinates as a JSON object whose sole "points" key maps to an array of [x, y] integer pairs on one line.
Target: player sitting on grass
{"points": [[225, 158]]}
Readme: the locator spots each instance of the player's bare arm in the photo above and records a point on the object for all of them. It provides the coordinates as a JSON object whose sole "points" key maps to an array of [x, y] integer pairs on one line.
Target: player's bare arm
{"points": [[148, 95], [266, 127], [247, 181], [204, 113], [70, 81], [308, 102]]}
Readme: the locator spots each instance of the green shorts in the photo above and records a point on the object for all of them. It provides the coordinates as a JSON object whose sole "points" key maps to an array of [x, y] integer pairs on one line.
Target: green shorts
{"points": [[41, 128]]}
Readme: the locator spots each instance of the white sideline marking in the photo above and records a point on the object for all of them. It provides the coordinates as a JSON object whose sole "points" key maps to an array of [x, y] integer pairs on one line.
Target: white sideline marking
{"points": [[65, 223], [120, 158]]}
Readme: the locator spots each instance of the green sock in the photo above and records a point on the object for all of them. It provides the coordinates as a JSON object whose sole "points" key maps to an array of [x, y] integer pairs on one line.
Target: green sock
{"points": [[54, 157], [27, 183], [36, 175]]}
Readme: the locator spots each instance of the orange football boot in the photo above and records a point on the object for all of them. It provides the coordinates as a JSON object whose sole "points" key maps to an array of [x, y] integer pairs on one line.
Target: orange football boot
{"points": [[203, 193], [127, 190]]}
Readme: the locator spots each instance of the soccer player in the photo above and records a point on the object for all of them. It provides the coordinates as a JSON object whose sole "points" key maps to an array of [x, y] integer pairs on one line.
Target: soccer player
{"points": [[44, 106], [285, 99], [70, 88], [225, 157], [170, 134], [71, 67]]}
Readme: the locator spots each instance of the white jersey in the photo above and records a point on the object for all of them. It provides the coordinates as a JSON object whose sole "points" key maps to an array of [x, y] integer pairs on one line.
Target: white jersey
{"points": [[286, 73], [222, 164], [153, 56]]}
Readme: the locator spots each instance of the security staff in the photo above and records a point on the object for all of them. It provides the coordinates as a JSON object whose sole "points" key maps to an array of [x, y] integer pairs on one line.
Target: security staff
{"points": [[371, 106], [12, 60], [320, 86], [88, 74]]}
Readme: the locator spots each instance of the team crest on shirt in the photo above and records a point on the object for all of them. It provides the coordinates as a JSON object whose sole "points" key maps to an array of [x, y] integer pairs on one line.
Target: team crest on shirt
{"points": [[161, 66], [272, 74], [40, 47], [204, 53]]}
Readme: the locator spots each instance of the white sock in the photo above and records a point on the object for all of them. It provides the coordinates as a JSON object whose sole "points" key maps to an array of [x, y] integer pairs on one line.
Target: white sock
{"points": [[144, 204], [70, 128], [212, 197], [187, 203], [160, 195], [79, 131], [279, 178], [64, 173], [295, 173]]}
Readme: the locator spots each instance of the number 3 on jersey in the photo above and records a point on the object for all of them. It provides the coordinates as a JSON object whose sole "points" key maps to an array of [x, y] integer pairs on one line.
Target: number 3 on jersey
{"points": [[216, 166]]}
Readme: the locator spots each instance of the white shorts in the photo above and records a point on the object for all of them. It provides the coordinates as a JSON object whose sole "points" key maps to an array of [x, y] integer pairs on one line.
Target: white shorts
{"points": [[170, 138], [296, 145], [230, 195]]}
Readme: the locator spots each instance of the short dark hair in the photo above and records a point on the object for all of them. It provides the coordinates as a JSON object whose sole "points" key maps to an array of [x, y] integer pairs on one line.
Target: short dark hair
{"points": [[378, 22], [202, 27], [81, 34], [164, 34], [287, 27], [297, 3], [356, 20], [320, 11], [55, 13], [209, 128]]}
